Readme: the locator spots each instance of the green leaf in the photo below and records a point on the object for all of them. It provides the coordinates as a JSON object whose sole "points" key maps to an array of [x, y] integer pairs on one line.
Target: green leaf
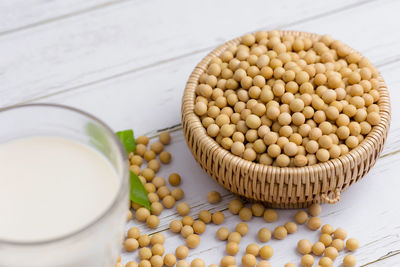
{"points": [[138, 192], [128, 140], [99, 138]]}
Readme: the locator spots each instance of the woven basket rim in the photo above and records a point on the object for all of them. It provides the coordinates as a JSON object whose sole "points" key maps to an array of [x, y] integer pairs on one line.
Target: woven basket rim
{"points": [[194, 124]]}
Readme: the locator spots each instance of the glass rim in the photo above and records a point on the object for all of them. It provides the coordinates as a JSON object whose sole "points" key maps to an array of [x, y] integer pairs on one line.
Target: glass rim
{"points": [[125, 173]]}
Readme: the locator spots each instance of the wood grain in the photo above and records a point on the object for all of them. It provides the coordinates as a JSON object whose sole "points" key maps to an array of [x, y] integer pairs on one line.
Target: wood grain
{"points": [[19, 15]]}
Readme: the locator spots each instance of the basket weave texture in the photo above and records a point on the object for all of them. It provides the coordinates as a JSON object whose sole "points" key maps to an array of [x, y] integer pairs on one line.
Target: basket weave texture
{"points": [[289, 187]]}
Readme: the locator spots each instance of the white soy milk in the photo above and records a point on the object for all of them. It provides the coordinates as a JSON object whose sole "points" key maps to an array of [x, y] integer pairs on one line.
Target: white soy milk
{"points": [[51, 187]]}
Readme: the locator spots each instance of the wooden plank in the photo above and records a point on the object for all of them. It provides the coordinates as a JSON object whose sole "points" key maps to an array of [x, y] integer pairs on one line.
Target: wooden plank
{"points": [[141, 90], [18, 15], [83, 50], [139, 100], [363, 212]]}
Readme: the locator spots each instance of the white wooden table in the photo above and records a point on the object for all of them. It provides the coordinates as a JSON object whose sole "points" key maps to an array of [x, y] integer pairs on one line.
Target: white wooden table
{"points": [[127, 62]]}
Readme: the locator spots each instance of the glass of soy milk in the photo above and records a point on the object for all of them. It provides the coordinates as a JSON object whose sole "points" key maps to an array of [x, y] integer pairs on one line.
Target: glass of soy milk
{"points": [[64, 188]]}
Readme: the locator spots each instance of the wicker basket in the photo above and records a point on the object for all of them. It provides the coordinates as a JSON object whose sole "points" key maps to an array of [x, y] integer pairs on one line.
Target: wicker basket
{"points": [[291, 187]]}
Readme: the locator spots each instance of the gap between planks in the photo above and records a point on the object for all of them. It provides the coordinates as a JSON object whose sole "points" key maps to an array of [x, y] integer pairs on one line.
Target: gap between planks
{"points": [[196, 52], [116, 2], [61, 17], [383, 258]]}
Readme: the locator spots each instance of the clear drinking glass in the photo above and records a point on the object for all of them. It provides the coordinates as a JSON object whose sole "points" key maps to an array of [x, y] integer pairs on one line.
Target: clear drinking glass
{"points": [[97, 244]]}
